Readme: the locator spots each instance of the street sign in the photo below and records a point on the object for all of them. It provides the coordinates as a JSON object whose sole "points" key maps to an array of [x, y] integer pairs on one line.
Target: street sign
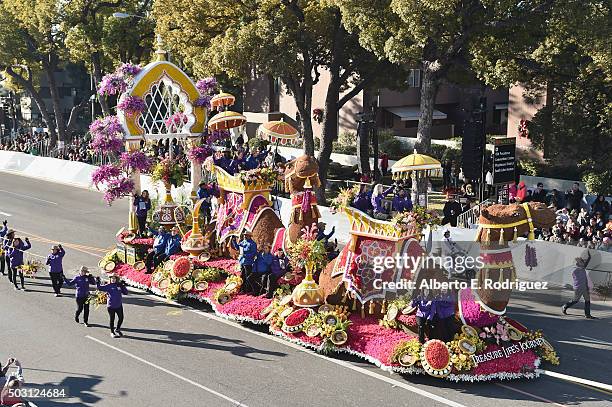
{"points": [[504, 160]]}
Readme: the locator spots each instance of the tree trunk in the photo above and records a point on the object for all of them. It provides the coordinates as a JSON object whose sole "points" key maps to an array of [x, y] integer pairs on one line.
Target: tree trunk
{"points": [[547, 138], [363, 148], [429, 89], [97, 74], [329, 135], [40, 103], [60, 124], [302, 95]]}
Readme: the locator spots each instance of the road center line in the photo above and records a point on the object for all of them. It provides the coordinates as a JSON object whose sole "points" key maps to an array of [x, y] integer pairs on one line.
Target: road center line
{"points": [[5, 214], [28, 197], [529, 394], [338, 362], [171, 373]]}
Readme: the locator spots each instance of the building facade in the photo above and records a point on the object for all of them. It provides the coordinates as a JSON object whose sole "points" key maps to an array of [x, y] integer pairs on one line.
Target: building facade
{"points": [[399, 110]]}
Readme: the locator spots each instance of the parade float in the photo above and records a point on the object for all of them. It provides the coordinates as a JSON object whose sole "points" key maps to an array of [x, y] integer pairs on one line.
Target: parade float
{"points": [[328, 306]]}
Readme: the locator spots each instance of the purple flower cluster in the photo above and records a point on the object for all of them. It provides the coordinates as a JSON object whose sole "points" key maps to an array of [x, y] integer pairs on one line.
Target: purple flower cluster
{"points": [[176, 121], [108, 125], [112, 84], [200, 153], [203, 101], [107, 134], [105, 174], [117, 188], [217, 135], [128, 70], [207, 86], [131, 105], [136, 160]]}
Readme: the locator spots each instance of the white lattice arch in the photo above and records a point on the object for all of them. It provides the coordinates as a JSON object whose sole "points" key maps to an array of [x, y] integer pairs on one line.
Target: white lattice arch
{"points": [[164, 88], [163, 99]]}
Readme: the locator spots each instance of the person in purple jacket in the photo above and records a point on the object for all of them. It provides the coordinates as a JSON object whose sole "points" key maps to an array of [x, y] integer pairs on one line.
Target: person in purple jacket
{"points": [[378, 194], [581, 287], [15, 253], [116, 290], [56, 269], [363, 200], [435, 309], [82, 282]]}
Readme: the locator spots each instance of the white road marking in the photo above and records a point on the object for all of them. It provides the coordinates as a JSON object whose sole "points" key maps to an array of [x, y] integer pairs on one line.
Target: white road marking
{"points": [[342, 363], [28, 197], [5, 214], [171, 373], [580, 380], [526, 393]]}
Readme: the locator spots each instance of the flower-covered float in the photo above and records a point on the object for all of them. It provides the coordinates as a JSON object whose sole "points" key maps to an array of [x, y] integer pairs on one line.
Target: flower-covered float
{"points": [[329, 306]]}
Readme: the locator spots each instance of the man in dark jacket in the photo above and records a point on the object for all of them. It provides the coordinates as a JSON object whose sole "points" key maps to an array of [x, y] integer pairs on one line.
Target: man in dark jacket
{"points": [[539, 195], [451, 210], [573, 197]]}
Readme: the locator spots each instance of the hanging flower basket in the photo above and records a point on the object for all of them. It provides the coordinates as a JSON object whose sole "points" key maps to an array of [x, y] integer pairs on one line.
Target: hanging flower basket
{"points": [[136, 160], [112, 84], [107, 135], [132, 105]]}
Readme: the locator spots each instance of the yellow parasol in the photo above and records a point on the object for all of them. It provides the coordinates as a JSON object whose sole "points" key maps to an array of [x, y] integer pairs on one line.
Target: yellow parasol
{"points": [[415, 162], [415, 166], [226, 120], [277, 131], [221, 100]]}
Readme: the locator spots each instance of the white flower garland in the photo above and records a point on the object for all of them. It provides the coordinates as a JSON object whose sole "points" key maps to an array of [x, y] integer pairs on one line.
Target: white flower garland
{"points": [[319, 348]]}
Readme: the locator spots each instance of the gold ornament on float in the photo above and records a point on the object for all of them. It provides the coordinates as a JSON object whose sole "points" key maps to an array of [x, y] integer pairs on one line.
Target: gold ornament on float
{"points": [[308, 293]]}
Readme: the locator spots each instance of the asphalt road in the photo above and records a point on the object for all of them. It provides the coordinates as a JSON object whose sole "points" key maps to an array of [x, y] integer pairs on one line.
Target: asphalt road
{"points": [[184, 355]]}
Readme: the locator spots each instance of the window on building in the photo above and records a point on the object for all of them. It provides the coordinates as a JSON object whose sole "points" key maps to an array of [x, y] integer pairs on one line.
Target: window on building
{"points": [[414, 78]]}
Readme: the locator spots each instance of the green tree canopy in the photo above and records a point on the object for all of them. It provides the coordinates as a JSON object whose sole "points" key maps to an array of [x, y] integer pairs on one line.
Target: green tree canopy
{"points": [[439, 36]]}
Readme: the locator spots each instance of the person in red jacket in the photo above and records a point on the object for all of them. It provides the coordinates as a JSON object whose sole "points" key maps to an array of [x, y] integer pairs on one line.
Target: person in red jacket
{"points": [[384, 163]]}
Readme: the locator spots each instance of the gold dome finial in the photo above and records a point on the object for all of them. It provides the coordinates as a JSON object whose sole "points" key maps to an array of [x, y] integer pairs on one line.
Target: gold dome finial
{"points": [[160, 53]]}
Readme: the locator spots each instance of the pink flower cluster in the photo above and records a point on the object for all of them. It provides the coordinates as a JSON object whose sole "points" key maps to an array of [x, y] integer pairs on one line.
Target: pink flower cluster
{"points": [[118, 188], [245, 305], [175, 122], [366, 336], [128, 272], [136, 160], [516, 363], [200, 153], [473, 314], [104, 174], [131, 105], [107, 134], [112, 84]]}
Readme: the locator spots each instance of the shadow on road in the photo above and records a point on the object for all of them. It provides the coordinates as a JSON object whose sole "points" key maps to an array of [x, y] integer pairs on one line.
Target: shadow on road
{"points": [[196, 340]]}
